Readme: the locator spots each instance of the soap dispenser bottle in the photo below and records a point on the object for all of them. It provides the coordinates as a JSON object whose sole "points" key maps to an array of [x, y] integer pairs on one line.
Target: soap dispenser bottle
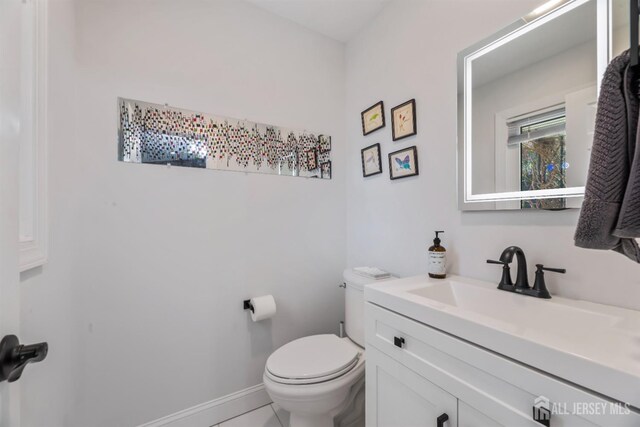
{"points": [[437, 259]]}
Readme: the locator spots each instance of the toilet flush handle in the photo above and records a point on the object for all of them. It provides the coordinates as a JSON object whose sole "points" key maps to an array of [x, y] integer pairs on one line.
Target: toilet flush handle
{"points": [[342, 285]]}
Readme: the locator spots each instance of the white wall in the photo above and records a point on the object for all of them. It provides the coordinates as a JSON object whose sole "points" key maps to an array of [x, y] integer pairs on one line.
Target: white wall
{"points": [[141, 301], [410, 51]]}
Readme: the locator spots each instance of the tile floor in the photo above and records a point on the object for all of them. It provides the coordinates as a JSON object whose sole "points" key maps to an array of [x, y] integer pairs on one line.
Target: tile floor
{"points": [[265, 416]]}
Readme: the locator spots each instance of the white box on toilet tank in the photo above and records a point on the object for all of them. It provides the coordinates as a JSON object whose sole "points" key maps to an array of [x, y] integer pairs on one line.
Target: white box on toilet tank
{"points": [[354, 304]]}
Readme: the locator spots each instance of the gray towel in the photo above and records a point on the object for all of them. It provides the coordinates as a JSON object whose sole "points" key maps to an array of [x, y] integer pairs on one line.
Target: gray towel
{"points": [[610, 216]]}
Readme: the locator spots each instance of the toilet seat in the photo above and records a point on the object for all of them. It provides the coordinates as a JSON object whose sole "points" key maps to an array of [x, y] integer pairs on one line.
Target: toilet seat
{"points": [[311, 360]]}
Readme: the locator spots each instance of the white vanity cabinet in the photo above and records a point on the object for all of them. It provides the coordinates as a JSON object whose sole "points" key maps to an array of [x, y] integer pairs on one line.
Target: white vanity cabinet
{"points": [[415, 373], [404, 398], [471, 417]]}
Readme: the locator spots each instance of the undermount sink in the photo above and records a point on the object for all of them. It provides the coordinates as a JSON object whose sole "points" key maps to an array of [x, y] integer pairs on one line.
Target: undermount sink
{"points": [[514, 309]]}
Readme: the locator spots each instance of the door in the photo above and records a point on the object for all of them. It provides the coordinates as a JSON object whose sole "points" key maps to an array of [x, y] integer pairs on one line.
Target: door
{"points": [[16, 31], [399, 397], [10, 134]]}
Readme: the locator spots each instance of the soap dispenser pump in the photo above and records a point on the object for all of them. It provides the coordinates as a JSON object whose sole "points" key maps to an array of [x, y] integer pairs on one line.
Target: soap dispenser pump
{"points": [[437, 259]]}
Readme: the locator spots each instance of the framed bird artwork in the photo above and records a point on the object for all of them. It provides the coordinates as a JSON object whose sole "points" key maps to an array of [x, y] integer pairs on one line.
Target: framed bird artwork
{"points": [[373, 118]]}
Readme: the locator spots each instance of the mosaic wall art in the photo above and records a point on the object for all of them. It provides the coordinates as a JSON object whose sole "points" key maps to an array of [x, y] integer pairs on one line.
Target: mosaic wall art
{"points": [[159, 134]]}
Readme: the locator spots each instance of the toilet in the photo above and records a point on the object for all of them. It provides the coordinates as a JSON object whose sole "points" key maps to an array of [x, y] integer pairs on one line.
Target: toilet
{"points": [[319, 379]]}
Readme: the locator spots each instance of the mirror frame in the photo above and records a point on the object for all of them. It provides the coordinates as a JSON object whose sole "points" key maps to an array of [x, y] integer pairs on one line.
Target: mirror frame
{"points": [[541, 15]]}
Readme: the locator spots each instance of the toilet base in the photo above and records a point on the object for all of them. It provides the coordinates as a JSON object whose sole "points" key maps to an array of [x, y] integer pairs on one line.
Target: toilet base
{"points": [[349, 414], [353, 413], [307, 420]]}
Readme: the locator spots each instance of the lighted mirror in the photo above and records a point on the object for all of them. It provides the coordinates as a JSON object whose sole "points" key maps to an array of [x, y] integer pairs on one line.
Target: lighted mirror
{"points": [[526, 108]]}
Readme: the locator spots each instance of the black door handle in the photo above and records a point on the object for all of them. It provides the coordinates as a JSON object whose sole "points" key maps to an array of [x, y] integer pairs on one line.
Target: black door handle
{"points": [[15, 356], [441, 420], [398, 341]]}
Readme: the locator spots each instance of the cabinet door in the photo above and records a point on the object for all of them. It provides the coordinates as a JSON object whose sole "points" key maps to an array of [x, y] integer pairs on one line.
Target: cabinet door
{"points": [[398, 397], [471, 417]]}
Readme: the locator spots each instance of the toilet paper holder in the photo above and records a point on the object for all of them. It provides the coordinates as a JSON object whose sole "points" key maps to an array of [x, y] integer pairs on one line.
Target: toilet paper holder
{"points": [[246, 304], [262, 307]]}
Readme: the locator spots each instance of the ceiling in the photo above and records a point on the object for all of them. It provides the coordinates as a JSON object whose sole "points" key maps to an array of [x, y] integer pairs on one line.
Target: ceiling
{"points": [[338, 19]]}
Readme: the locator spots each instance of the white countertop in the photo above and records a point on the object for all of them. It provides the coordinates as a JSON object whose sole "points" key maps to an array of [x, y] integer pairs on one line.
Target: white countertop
{"points": [[592, 345]]}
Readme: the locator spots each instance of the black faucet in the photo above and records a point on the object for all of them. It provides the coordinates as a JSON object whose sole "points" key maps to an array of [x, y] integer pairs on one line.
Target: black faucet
{"points": [[522, 281], [521, 286]]}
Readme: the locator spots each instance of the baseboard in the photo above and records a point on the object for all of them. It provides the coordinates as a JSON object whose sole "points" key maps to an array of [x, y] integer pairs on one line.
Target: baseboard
{"points": [[216, 411]]}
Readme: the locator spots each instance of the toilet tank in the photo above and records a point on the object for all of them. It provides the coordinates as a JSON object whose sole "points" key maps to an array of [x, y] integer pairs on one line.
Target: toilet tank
{"points": [[354, 304]]}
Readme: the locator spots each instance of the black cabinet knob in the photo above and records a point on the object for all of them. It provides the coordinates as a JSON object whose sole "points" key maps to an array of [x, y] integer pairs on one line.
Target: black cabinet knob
{"points": [[541, 411], [398, 342], [441, 420]]}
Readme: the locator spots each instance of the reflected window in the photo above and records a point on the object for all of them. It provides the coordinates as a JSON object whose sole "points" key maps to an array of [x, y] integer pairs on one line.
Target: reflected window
{"points": [[541, 138]]}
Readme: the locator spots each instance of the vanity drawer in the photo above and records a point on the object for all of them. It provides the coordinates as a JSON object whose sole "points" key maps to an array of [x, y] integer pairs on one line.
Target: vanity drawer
{"points": [[501, 388]]}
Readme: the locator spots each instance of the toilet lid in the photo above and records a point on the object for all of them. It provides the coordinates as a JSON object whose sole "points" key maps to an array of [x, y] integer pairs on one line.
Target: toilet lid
{"points": [[312, 357]]}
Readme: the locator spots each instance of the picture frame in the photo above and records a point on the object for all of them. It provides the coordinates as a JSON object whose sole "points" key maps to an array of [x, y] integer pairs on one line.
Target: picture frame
{"points": [[324, 143], [312, 159], [325, 170], [373, 118], [371, 160], [403, 163], [403, 120]]}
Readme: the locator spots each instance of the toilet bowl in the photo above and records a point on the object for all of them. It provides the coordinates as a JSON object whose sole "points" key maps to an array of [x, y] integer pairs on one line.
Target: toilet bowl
{"points": [[316, 378], [319, 379]]}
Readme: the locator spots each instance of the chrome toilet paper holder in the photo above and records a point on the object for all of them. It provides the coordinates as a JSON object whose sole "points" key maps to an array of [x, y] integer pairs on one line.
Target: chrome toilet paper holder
{"points": [[246, 304]]}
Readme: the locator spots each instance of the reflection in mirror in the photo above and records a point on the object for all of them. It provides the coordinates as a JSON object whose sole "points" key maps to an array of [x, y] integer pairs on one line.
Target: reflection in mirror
{"points": [[619, 27], [529, 103]]}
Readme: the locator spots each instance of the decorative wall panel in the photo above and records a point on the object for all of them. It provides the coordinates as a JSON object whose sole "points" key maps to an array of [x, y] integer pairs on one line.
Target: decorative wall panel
{"points": [[159, 134]]}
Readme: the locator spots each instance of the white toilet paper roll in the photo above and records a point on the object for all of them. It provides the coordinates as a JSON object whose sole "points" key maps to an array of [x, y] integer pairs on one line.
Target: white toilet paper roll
{"points": [[264, 307]]}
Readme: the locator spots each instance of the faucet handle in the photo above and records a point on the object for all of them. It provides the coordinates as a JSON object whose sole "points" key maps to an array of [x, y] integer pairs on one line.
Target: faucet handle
{"points": [[540, 287], [505, 282], [541, 267]]}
